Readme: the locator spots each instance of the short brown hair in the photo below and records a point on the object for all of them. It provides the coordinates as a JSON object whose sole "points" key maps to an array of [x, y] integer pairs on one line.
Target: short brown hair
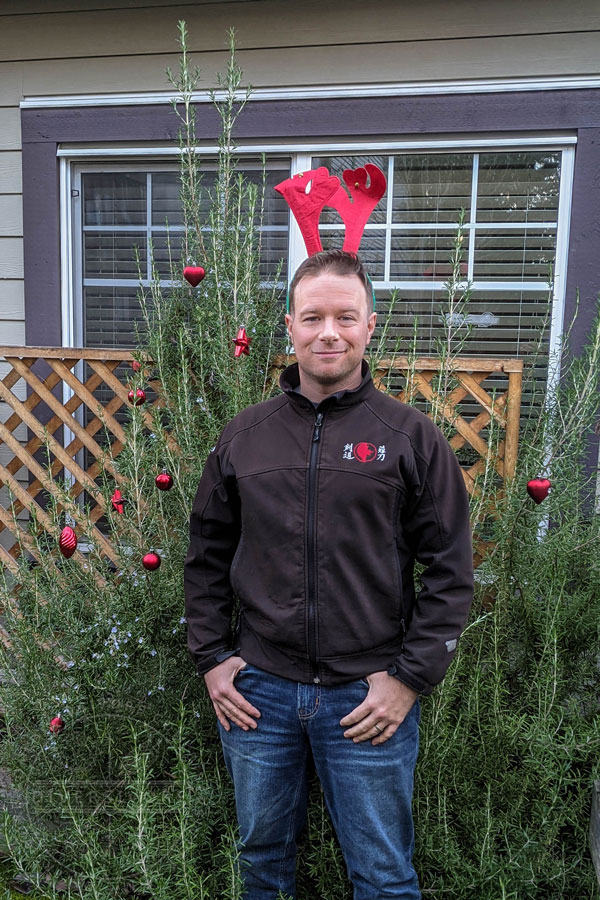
{"points": [[338, 262]]}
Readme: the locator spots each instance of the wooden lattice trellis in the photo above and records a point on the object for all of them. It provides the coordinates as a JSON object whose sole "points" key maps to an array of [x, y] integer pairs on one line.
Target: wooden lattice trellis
{"points": [[502, 409], [44, 414]]}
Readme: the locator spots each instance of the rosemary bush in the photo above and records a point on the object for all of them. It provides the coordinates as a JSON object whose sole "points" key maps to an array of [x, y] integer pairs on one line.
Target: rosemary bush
{"points": [[132, 798]]}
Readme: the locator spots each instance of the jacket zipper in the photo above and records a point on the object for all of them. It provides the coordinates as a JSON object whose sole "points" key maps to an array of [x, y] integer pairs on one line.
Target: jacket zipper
{"points": [[312, 548]]}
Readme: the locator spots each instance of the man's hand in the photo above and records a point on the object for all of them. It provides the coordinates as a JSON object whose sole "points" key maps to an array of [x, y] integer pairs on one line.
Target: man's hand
{"points": [[386, 705], [229, 703]]}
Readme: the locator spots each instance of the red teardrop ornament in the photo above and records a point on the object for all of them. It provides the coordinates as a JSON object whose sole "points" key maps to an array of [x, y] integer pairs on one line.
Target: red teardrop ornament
{"points": [[117, 501], [151, 561], [67, 542], [56, 725], [137, 397], [164, 481], [194, 274], [242, 343], [538, 488]]}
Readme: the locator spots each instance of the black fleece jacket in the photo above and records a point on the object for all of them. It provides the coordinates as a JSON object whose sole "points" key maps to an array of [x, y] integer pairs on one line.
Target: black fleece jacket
{"points": [[313, 517]]}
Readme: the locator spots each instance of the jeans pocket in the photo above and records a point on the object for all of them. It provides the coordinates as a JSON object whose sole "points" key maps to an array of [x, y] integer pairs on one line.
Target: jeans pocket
{"points": [[240, 672], [247, 668]]}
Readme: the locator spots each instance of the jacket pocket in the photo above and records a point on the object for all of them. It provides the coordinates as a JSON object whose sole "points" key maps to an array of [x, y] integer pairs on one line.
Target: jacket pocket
{"points": [[234, 566]]}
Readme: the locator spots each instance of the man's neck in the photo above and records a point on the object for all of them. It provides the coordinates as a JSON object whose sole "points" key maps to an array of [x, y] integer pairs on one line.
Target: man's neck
{"points": [[316, 392]]}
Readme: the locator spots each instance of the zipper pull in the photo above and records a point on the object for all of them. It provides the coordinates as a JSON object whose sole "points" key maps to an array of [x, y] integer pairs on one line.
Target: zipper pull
{"points": [[317, 429]]}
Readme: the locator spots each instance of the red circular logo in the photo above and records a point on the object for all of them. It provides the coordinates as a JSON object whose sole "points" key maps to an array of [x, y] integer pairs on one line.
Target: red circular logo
{"points": [[365, 452]]}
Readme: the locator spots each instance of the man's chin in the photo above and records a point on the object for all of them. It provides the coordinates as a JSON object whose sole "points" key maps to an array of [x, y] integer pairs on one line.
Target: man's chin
{"points": [[331, 377]]}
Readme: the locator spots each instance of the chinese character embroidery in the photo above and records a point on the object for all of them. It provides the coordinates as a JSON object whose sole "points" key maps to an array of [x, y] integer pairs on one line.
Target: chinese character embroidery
{"points": [[381, 452], [347, 454]]}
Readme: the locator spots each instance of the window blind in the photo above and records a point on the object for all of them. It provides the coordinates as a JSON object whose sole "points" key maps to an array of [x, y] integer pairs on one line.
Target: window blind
{"points": [[130, 218]]}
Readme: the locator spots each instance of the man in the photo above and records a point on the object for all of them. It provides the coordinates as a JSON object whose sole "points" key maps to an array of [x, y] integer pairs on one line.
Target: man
{"points": [[312, 509]]}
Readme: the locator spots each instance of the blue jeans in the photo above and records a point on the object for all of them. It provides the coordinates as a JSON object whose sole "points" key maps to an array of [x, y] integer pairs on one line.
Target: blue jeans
{"points": [[367, 789]]}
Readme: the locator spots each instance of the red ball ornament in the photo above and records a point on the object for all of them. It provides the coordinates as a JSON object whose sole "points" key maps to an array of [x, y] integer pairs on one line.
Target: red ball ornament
{"points": [[67, 542], [242, 343], [538, 488], [164, 481], [137, 397], [56, 725], [151, 561], [194, 274], [117, 501]]}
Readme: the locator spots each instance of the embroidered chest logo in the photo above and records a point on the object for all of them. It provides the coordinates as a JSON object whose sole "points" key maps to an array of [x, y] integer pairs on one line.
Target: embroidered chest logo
{"points": [[364, 452]]}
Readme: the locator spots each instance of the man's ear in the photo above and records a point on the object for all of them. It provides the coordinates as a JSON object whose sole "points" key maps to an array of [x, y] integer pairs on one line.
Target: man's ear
{"points": [[371, 326], [289, 319]]}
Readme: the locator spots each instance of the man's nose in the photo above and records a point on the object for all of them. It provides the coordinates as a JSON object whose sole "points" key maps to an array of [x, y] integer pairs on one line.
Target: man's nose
{"points": [[329, 330]]}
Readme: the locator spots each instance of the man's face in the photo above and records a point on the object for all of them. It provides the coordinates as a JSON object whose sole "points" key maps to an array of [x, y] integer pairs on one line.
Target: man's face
{"points": [[330, 329]]}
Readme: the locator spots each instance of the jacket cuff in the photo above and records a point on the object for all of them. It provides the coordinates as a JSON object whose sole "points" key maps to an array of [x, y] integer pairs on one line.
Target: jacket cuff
{"points": [[417, 684], [207, 664]]}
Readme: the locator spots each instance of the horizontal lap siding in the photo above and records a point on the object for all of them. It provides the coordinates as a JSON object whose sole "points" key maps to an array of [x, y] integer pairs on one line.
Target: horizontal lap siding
{"points": [[11, 222], [10, 172], [531, 56], [11, 258], [29, 7], [272, 24]]}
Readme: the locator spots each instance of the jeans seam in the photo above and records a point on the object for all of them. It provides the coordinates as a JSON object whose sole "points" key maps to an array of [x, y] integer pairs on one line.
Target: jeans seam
{"points": [[310, 714], [292, 825]]}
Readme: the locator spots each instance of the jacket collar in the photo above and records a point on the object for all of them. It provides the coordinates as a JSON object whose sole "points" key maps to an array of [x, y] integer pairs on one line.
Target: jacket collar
{"points": [[289, 381]]}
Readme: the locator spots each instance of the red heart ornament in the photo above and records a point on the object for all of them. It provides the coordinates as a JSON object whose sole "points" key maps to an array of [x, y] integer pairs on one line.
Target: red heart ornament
{"points": [[194, 274], [137, 397], [538, 488], [56, 725]]}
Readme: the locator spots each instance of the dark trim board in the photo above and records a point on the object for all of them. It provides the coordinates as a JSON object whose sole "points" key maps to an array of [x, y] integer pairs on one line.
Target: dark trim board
{"points": [[360, 116], [566, 111]]}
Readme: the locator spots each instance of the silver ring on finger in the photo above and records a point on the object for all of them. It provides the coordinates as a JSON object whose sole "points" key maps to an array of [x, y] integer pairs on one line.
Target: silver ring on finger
{"points": [[231, 711], [378, 729]]}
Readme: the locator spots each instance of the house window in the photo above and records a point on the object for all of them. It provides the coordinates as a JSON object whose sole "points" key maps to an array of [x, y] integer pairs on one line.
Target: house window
{"points": [[515, 201]]}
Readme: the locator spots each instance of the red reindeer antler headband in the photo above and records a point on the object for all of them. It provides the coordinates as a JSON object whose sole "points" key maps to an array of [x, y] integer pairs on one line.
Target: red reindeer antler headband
{"points": [[308, 192]]}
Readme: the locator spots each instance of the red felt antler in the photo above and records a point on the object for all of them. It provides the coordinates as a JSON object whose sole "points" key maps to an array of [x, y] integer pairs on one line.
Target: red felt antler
{"points": [[356, 212], [308, 192]]}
